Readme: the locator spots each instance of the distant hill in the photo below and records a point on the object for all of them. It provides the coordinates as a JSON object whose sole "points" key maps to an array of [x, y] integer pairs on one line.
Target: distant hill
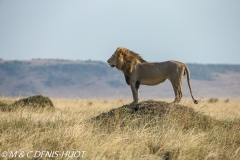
{"points": [[95, 79], [205, 72]]}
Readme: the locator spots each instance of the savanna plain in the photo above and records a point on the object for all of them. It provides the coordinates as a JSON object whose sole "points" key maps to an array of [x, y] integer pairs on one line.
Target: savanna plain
{"points": [[110, 129]]}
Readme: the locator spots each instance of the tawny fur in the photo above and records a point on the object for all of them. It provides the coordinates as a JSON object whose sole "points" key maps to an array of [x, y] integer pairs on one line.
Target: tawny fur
{"points": [[137, 71]]}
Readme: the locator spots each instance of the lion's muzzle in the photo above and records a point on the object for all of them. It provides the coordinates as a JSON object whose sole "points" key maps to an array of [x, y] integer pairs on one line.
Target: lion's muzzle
{"points": [[111, 65]]}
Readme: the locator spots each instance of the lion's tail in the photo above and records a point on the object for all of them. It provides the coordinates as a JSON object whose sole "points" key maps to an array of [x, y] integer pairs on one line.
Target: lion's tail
{"points": [[189, 85]]}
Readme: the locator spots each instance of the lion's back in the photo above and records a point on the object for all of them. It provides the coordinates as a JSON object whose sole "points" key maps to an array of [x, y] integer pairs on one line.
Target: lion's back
{"points": [[160, 69]]}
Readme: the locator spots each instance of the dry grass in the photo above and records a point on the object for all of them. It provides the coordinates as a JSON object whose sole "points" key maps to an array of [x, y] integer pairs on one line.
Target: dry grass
{"points": [[108, 129], [223, 109]]}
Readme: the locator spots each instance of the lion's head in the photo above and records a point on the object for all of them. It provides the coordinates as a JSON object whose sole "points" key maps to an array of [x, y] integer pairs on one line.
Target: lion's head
{"points": [[124, 60]]}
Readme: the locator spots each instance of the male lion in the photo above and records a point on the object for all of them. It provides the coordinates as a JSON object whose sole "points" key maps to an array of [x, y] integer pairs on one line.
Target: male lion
{"points": [[137, 71]]}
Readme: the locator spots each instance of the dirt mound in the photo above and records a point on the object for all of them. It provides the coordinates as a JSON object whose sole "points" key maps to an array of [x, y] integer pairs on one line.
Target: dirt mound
{"points": [[151, 113], [37, 101]]}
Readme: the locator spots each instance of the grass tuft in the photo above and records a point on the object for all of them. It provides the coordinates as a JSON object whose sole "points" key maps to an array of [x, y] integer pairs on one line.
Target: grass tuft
{"points": [[213, 100], [226, 100], [34, 102], [150, 113]]}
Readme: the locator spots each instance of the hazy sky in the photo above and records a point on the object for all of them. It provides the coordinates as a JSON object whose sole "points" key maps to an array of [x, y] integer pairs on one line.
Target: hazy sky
{"points": [[203, 31]]}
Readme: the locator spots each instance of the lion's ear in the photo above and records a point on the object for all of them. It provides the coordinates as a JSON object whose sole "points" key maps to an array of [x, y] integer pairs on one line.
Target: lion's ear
{"points": [[120, 50], [120, 55]]}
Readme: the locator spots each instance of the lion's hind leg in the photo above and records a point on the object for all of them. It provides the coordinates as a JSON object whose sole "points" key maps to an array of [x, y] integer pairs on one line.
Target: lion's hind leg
{"points": [[178, 96], [176, 81], [178, 92]]}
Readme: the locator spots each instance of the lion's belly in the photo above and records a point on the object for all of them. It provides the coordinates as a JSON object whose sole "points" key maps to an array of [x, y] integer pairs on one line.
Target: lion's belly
{"points": [[151, 82]]}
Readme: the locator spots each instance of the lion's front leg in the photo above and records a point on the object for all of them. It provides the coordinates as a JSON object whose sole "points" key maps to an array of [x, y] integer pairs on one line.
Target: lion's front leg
{"points": [[134, 93]]}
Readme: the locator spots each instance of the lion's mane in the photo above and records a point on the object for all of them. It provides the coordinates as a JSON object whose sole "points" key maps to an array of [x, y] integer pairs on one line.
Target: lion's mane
{"points": [[127, 59]]}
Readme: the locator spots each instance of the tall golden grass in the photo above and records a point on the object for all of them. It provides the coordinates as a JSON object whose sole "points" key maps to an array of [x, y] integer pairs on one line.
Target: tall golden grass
{"points": [[204, 131]]}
